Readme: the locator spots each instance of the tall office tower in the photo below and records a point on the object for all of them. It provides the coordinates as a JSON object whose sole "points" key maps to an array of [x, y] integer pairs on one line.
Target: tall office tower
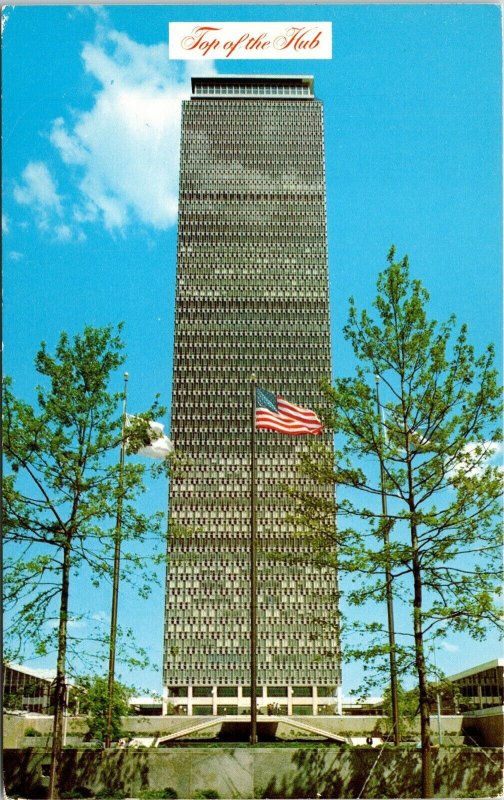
{"points": [[252, 297]]}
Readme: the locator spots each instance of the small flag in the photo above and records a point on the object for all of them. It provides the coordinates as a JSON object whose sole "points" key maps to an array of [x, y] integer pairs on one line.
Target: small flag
{"points": [[160, 445], [273, 413]]}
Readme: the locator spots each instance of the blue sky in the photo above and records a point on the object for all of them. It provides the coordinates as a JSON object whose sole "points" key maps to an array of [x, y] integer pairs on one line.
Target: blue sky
{"points": [[91, 109]]}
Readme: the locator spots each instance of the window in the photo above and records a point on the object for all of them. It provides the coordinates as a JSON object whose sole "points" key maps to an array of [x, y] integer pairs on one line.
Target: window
{"points": [[301, 691], [277, 691], [202, 691]]}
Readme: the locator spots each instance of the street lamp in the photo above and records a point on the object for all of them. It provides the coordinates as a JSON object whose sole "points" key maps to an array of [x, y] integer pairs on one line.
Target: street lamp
{"points": [[116, 574], [388, 577]]}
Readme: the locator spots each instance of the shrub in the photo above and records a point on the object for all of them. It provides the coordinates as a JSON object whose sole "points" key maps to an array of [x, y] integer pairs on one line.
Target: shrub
{"points": [[31, 731], [76, 794]]}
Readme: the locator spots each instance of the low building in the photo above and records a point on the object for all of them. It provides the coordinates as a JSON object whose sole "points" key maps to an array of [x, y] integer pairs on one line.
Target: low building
{"points": [[27, 689], [481, 686], [369, 706], [146, 706]]}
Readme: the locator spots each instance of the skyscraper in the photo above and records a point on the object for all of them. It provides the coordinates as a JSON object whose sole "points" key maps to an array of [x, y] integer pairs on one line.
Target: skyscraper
{"points": [[252, 297]]}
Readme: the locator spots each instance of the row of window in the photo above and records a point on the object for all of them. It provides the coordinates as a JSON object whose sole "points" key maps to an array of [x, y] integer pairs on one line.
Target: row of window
{"points": [[212, 367], [282, 141], [297, 230], [218, 329], [230, 532], [195, 444], [238, 547], [285, 115], [213, 482], [199, 304], [206, 640], [269, 197], [241, 268], [267, 89], [264, 691], [194, 192], [303, 310], [260, 126], [259, 129], [202, 286], [236, 160], [260, 123], [284, 146], [268, 443], [222, 670], [217, 469], [183, 598], [189, 480], [267, 292], [263, 122], [249, 272], [232, 379], [252, 182], [222, 359], [242, 150], [227, 222], [199, 423], [253, 175], [198, 357], [261, 290], [268, 509], [241, 257], [276, 344], [243, 160], [193, 440], [237, 367]]}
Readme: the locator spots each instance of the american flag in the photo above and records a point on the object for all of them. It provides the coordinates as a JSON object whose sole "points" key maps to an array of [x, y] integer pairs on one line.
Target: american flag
{"points": [[273, 413]]}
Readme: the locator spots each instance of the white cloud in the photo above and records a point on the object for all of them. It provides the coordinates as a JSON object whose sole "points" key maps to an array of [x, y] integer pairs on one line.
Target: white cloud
{"points": [[38, 189], [101, 616], [63, 233], [450, 648], [14, 255], [5, 19], [5, 224], [70, 150], [73, 624], [125, 149], [99, 11], [475, 457]]}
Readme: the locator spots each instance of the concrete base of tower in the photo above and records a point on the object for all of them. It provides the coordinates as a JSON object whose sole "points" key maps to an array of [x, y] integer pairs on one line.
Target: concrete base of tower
{"points": [[235, 700]]}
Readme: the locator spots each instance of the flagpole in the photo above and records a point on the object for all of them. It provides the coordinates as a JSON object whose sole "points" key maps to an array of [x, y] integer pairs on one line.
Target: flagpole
{"points": [[115, 579], [253, 568], [388, 582]]}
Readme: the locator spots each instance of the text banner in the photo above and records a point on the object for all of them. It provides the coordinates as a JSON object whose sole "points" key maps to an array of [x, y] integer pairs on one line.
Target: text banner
{"points": [[214, 40]]}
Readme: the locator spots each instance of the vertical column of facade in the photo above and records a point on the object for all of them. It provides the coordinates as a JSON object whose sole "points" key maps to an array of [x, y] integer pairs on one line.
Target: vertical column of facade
{"points": [[252, 296]]}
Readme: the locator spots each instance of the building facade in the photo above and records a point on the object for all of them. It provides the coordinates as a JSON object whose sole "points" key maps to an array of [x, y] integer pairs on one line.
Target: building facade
{"points": [[27, 689], [480, 687], [252, 297]]}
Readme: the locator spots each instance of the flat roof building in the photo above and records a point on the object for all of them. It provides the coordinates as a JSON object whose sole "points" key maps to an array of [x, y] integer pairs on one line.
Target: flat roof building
{"points": [[481, 686], [27, 688], [252, 297]]}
